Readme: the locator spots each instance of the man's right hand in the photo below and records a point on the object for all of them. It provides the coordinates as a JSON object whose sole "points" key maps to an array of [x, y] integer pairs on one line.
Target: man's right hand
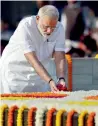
{"points": [[53, 87]]}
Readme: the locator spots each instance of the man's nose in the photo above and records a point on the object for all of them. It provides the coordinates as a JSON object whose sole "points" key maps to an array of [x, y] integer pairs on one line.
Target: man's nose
{"points": [[49, 30]]}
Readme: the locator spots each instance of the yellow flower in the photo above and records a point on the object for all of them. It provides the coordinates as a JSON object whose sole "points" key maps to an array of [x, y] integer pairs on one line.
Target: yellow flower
{"points": [[83, 103], [58, 117], [20, 115], [2, 108], [96, 56], [81, 118]]}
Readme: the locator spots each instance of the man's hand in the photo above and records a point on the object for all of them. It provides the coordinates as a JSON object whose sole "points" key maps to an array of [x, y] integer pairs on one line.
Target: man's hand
{"points": [[62, 82], [61, 85], [53, 87]]}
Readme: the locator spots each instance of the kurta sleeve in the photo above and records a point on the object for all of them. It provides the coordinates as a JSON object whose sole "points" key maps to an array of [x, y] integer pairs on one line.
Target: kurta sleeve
{"points": [[23, 37], [60, 41]]}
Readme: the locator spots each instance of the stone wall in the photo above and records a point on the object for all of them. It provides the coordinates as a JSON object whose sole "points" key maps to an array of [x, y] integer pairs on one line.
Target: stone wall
{"points": [[85, 74]]}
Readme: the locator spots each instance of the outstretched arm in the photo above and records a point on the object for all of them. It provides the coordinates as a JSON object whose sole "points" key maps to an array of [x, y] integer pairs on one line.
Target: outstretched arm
{"points": [[60, 65], [40, 70]]}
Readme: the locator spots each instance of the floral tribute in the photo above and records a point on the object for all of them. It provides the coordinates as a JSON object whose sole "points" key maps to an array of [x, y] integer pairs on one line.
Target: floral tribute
{"points": [[92, 97], [44, 117], [11, 115], [69, 61], [33, 95]]}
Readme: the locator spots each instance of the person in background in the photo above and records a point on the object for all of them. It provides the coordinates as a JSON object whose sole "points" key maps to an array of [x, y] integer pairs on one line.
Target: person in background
{"points": [[94, 34], [90, 38], [40, 4], [6, 33], [59, 5], [74, 25], [26, 60]]}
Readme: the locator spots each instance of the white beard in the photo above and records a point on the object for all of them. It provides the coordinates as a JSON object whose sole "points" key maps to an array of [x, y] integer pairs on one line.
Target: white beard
{"points": [[41, 31]]}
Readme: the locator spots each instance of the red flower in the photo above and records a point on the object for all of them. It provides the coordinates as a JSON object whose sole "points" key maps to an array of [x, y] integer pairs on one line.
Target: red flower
{"points": [[61, 87]]}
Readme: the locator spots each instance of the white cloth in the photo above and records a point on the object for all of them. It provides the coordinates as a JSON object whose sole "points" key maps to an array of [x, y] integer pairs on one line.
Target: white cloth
{"points": [[17, 75], [64, 20], [64, 23]]}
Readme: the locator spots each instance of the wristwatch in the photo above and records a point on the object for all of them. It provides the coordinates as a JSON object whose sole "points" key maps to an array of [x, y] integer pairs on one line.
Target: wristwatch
{"points": [[61, 78], [50, 80]]}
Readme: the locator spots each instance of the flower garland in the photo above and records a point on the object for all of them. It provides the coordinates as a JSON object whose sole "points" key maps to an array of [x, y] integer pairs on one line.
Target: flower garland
{"points": [[81, 118], [69, 118], [20, 115], [49, 116], [10, 115], [90, 119], [2, 109], [85, 103], [39, 116], [92, 97], [69, 60], [58, 117], [32, 95], [31, 116]]}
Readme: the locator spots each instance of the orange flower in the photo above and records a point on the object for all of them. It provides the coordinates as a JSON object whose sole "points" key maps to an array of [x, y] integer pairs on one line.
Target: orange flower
{"points": [[90, 120], [69, 61], [35, 95], [69, 117], [31, 116], [10, 115], [92, 97], [49, 116]]}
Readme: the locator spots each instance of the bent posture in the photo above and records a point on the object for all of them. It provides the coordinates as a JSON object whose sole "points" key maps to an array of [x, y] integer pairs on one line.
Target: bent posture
{"points": [[26, 58]]}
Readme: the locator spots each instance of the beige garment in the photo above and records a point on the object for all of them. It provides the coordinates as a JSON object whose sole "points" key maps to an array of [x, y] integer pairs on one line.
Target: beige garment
{"points": [[17, 75]]}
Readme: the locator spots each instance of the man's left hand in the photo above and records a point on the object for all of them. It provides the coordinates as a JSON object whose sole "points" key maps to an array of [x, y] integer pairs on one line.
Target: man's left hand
{"points": [[62, 82], [61, 85]]}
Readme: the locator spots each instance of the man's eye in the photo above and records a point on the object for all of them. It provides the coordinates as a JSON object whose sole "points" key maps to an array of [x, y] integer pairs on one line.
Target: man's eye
{"points": [[46, 26]]}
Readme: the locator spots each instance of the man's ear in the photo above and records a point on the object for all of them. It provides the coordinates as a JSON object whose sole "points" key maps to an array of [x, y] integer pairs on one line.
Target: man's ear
{"points": [[37, 17]]}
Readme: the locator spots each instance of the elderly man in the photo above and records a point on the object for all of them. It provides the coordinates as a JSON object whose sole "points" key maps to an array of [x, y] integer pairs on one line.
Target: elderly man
{"points": [[25, 60]]}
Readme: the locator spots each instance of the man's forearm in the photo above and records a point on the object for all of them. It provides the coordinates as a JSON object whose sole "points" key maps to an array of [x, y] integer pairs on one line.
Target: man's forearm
{"points": [[60, 64], [39, 68], [61, 69]]}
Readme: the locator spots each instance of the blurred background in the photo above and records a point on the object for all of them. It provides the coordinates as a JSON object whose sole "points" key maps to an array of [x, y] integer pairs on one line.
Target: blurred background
{"points": [[79, 18]]}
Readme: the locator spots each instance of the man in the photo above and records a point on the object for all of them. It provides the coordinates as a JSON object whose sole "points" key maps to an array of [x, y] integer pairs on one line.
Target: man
{"points": [[25, 60], [72, 20], [6, 33]]}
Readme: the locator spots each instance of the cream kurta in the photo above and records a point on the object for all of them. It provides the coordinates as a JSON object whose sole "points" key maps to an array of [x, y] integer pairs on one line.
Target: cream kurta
{"points": [[17, 75]]}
